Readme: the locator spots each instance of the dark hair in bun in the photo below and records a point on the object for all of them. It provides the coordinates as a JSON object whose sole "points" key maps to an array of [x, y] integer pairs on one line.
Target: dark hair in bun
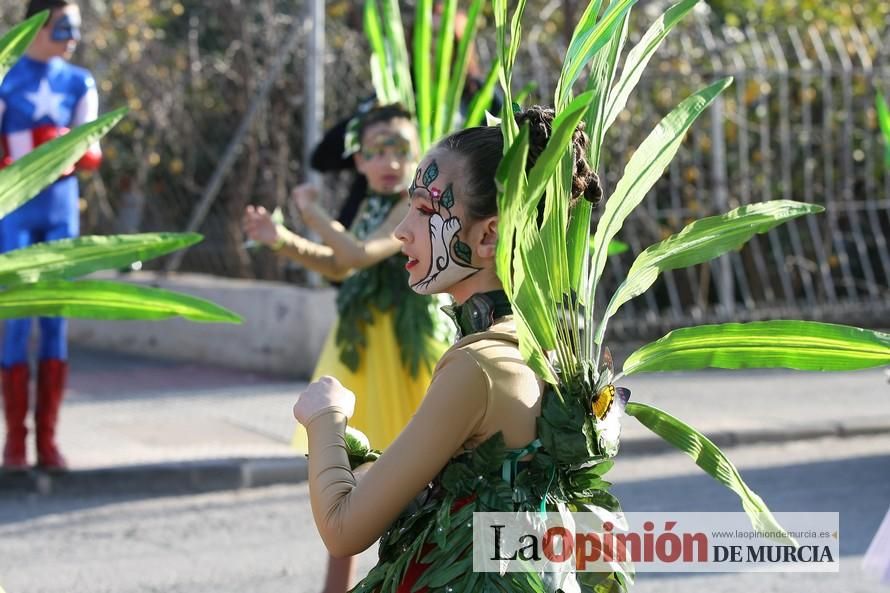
{"points": [[483, 148], [585, 182]]}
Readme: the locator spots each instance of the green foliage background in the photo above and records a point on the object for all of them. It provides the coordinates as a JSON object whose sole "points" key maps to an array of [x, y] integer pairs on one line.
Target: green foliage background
{"points": [[822, 13]]}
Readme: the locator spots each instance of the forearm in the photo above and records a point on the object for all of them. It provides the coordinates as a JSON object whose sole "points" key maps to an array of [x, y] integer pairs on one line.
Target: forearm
{"points": [[348, 251], [316, 257], [351, 515], [330, 480]]}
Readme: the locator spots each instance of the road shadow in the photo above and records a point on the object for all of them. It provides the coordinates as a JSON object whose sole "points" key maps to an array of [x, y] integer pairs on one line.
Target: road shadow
{"points": [[857, 487]]}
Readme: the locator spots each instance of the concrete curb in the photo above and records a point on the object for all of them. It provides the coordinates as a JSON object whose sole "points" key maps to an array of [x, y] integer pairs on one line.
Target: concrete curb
{"points": [[238, 473]]}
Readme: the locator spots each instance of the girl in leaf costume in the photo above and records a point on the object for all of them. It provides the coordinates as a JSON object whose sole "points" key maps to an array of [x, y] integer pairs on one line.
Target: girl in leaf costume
{"points": [[522, 413], [475, 443]]}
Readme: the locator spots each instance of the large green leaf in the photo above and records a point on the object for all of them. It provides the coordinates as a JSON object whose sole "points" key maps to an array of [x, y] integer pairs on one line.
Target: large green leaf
{"points": [[600, 80], [578, 241], [710, 458], [531, 290], [97, 299], [482, 100], [506, 53], [590, 35], [423, 79], [603, 69], [534, 324], [17, 40], [639, 57], [399, 63], [444, 56], [528, 328], [458, 77], [552, 246], [699, 242], [553, 227], [884, 122], [554, 169], [24, 179], [511, 181], [644, 168], [516, 30], [802, 345], [381, 77], [70, 258]]}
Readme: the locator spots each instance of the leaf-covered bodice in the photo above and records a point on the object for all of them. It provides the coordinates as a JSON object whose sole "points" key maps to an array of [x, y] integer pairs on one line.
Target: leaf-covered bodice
{"points": [[437, 528]]}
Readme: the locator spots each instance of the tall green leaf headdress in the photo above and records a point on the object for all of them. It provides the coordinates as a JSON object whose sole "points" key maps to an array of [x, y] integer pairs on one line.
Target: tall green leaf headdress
{"points": [[551, 268]]}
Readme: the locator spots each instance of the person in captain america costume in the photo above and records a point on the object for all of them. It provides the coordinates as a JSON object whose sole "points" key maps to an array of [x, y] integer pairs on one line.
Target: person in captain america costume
{"points": [[42, 97]]}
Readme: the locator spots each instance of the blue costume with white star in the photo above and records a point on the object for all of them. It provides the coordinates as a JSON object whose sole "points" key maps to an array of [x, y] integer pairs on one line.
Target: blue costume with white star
{"points": [[38, 102]]}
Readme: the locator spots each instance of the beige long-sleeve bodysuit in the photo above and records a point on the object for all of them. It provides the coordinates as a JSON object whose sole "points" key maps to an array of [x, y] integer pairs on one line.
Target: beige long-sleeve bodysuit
{"points": [[479, 387]]}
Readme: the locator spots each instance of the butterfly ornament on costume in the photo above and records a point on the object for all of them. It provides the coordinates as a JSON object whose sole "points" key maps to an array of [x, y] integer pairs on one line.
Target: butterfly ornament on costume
{"points": [[451, 258], [607, 405]]}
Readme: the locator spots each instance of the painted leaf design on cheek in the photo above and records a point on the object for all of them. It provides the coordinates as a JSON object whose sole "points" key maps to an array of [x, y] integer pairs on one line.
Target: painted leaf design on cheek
{"points": [[447, 199], [431, 173], [463, 252]]}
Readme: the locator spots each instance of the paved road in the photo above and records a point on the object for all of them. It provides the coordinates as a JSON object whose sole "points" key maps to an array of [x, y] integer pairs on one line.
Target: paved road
{"points": [[263, 541]]}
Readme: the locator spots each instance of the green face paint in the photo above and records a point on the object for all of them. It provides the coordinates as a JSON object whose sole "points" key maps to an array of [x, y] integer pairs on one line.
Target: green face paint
{"points": [[392, 145]]}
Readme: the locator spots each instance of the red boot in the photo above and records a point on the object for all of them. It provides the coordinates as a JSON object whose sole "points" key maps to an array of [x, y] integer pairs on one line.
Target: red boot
{"points": [[50, 389], [15, 409]]}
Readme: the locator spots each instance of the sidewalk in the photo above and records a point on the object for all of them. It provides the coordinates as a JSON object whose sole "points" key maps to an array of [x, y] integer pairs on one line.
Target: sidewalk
{"points": [[143, 426]]}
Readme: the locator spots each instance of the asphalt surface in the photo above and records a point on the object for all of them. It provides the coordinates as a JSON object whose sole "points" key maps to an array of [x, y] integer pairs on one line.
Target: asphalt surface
{"points": [[263, 540]]}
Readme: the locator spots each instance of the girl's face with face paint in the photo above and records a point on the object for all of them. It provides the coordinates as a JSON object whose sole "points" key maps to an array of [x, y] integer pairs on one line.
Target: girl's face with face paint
{"points": [[388, 155], [444, 247]]}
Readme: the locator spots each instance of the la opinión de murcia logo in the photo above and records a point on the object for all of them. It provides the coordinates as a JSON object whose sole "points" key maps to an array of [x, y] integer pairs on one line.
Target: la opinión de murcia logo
{"points": [[559, 545], [655, 542]]}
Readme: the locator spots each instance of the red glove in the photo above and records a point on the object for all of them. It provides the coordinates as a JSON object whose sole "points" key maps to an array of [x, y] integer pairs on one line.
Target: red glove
{"points": [[43, 134], [91, 159]]}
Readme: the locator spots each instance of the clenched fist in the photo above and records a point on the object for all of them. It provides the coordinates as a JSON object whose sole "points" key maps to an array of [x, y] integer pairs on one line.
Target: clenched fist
{"points": [[323, 395]]}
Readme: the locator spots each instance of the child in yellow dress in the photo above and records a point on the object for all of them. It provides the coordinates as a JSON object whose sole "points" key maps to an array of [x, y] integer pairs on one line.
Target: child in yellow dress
{"points": [[387, 338]]}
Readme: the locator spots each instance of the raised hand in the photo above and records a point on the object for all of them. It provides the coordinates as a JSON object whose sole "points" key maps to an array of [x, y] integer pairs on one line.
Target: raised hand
{"points": [[305, 196], [258, 225]]}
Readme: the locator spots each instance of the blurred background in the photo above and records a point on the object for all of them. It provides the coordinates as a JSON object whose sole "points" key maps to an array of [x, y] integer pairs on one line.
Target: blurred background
{"points": [[799, 123]]}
